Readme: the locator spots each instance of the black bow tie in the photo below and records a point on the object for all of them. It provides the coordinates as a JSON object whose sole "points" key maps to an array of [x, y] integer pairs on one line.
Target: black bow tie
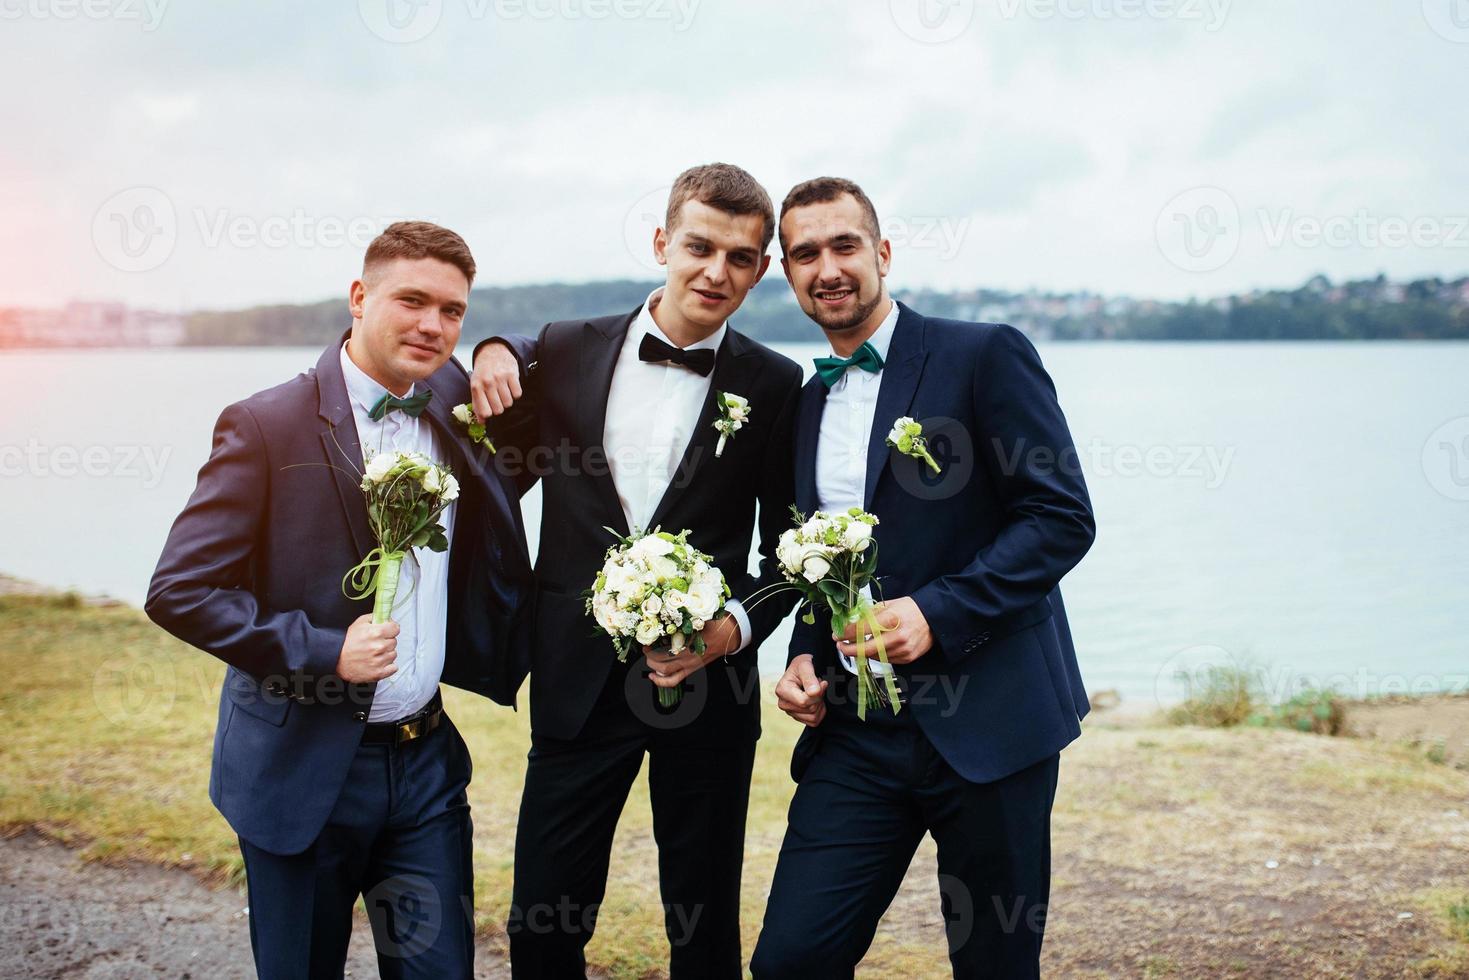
{"points": [[656, 351]]}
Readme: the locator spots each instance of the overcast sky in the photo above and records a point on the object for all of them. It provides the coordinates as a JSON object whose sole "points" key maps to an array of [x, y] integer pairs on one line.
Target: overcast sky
{"points": [[194, 153]]}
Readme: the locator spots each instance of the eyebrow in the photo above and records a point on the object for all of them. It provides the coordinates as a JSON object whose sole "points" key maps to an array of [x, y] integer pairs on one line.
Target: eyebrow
{"points": [[414, 291], [844, 237]]}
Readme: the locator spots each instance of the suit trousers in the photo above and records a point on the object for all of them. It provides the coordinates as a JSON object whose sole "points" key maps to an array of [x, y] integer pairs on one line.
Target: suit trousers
{"points": [[399, 836], [870, 793], [575, 790]]}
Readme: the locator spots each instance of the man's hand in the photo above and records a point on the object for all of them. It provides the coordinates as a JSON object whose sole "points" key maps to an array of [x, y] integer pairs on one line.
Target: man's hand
{"points": [[494, 384], [368, 651], [721, 636], [905, 633], [800, 694]]}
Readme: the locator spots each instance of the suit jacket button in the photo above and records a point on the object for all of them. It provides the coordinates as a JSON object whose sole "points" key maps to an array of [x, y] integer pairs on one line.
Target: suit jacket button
{"points": [[359, 716]]}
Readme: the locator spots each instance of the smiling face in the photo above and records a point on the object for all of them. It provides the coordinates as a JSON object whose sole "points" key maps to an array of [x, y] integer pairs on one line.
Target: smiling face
{"points": [[407, 315], [714, 258], [834, 266]]}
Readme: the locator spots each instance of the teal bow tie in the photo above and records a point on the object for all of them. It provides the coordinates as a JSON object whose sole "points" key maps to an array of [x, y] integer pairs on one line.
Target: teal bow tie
{"points": [[411, 406], [831, 369]]}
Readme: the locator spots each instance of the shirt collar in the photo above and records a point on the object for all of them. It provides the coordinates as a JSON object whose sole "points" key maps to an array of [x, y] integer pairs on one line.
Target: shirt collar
{"points": [[360, 387], [645, 324]]}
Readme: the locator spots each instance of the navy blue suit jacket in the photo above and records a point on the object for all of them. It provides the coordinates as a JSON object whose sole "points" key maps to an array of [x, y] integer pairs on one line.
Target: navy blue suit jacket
{"points": [[252, 572], [980, 547]]}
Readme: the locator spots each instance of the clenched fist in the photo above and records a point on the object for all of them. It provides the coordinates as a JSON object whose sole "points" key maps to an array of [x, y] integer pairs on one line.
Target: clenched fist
{"points": [[368, 651], [494, 384]]}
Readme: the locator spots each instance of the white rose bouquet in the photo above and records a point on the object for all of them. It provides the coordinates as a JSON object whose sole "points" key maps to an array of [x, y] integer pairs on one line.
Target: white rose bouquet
{"points": [[406, 495], [831, 559], [656, 590]]}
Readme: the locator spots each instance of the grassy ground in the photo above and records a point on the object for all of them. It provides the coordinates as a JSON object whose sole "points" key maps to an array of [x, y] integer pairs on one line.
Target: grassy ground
{"points": [[1178, 852]]}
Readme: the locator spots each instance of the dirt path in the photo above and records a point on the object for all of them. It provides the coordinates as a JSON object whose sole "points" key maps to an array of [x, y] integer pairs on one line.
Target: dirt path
{"points": [[61, 917]]}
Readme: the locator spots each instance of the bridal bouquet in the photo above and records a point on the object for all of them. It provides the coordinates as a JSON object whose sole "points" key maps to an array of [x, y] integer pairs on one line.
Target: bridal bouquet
{"points": [[406, 494], [656, 590], [831, 560]]}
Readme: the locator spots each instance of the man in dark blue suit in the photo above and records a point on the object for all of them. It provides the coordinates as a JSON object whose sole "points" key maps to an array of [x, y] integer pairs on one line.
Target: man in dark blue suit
{"points": [[334, 761], [969, 559]]}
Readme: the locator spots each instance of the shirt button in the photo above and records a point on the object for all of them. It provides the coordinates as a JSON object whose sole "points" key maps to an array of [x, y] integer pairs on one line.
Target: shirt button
{"points": [[359, 716]]}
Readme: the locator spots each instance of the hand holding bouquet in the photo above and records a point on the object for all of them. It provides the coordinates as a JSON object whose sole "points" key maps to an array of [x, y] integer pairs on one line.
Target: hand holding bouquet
{"points": [[830, 559], [657, 590], [406, 494]]}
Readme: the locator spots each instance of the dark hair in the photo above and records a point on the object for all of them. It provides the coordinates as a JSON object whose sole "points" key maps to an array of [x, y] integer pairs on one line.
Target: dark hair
{"points": [[820, 190], [726, 187], [419, 240]]}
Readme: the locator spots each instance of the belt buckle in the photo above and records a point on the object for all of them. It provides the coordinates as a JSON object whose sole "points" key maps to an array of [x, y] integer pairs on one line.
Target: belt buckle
{"points": [[409, 730]]}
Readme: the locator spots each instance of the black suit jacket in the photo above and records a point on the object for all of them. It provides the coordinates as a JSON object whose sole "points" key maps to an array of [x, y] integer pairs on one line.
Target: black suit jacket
{"points": [[555, 435], [252, 574]]}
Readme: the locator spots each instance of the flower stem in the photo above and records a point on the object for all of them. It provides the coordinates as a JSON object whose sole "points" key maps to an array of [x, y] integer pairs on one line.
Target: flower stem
{"points": [[387, 587]]}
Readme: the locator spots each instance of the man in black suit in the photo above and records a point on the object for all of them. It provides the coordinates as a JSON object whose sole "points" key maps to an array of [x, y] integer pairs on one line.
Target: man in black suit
{"points": [[334, 761], [621, 435]]}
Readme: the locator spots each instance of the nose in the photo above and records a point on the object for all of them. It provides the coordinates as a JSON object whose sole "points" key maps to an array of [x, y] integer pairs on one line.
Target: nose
{"points": [[828, 272], [717, 268], [429, 322]]}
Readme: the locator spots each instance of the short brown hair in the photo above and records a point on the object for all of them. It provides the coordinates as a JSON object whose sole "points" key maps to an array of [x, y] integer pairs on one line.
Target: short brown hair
{"points": [[419, 240], [820, 190], [726, 187]]}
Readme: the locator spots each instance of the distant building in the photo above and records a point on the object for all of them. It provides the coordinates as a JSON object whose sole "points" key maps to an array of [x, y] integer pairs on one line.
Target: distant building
{"points": [[90, 325]]}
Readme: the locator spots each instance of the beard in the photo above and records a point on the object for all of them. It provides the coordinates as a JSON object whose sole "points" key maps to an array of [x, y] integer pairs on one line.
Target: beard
{"points": [[837, 322]]}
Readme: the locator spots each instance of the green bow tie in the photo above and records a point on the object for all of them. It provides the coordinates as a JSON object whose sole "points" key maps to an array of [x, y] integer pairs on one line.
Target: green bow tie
{"points": [[411, 406], [831, 369]]}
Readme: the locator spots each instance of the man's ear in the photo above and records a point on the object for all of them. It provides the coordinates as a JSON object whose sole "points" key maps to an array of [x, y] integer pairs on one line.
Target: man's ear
{"points": [[785, 265], [356, 297], [884, 257], [764, 267], [660, 246]]}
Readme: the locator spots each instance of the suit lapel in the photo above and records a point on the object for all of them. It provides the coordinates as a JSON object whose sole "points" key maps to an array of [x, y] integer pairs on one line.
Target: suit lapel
{"points": [[340, 445], [901, 372], [734, 371], [599, 352], [809, 410]]}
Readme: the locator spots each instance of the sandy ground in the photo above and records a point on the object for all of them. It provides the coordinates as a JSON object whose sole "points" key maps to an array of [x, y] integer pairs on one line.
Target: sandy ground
{"points": [[61, 917]]}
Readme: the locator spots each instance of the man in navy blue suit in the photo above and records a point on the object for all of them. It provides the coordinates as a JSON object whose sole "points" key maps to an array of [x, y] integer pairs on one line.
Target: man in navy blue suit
{"points": [[969, 559], [334, 761]]}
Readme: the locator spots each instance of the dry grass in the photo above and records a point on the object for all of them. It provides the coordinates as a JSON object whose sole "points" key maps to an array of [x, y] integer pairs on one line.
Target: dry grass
{"points": [[1163, 836]]}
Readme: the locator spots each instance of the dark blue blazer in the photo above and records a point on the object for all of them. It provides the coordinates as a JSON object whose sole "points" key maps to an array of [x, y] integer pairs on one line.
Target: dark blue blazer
{"points": [[979, 547], [252, 571]]}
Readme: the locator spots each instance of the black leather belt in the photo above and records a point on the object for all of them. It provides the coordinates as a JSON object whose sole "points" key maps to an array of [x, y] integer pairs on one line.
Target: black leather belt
{"points": [[407, 729]]}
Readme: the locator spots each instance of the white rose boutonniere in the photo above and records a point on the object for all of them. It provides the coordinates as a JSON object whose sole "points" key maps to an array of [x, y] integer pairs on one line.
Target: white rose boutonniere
{"points": [[474, 427], [734, 412], [907, 438]]}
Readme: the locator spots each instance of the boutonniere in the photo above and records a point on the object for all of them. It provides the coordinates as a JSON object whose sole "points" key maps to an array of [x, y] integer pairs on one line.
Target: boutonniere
{"points": [[734, 412], [473, 427], [907, 438]]}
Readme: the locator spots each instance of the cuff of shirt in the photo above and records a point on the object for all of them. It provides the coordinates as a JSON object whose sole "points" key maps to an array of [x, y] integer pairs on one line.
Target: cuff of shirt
{"points": [[742, 618]]}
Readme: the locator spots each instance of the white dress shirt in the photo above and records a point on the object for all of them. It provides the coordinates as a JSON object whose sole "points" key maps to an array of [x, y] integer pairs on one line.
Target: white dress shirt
{"points": [[846, 431], [422, 606], [652, 409]]}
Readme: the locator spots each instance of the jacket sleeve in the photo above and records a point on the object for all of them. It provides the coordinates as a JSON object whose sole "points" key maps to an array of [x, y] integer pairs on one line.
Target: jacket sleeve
{"points": [[776, 495], [518, 430], [1026, 450], [200, 591]]}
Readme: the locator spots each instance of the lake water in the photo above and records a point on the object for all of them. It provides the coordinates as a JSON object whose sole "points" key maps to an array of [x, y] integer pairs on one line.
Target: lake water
{"points": [[1304, 508]]}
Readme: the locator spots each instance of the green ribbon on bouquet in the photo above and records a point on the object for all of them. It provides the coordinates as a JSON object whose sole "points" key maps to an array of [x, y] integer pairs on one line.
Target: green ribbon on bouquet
{"points": [[866, 689], [376, 576]]}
